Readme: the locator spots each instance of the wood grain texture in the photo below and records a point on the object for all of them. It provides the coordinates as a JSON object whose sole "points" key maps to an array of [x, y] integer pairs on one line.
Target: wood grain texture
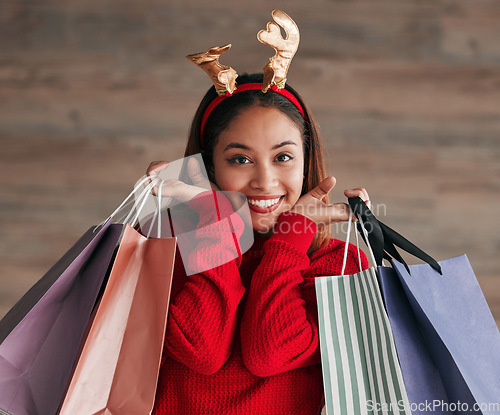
{"points": [[406, 93]]}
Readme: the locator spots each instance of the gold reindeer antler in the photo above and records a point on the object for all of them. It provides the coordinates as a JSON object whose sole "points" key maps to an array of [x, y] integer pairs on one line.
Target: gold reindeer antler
{"points": [[223, 77], [275, 71]]}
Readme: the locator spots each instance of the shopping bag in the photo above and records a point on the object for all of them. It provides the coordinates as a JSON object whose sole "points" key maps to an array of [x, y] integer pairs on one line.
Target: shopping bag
{"points": [[447, 340], [361, 373], [460, 333], [420, 372], [41, 335], [118, 368]]}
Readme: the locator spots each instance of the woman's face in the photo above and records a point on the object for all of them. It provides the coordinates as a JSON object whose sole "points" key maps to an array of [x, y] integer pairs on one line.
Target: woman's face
{"points": [[260, 154]]}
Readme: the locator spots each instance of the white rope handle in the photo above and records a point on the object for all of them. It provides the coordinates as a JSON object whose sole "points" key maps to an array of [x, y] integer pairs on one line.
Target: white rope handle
{"points": [[131, 194], [137, 202], [344, 262], [359, 253], [159, 208], [141, 202], [157, 215], [127, 201], [365, 233]]}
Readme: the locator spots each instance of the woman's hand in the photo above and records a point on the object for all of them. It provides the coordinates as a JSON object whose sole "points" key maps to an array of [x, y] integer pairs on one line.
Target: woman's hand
{"points": [[177, 189], [312, 205]]}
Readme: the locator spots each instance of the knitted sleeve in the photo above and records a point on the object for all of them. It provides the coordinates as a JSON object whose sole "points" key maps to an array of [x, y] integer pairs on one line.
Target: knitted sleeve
{"points": [[279, 330], [202, 316]]}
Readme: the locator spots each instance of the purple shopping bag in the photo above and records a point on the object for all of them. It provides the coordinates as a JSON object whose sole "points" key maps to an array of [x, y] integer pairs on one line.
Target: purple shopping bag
{"points": [[41, 335]]}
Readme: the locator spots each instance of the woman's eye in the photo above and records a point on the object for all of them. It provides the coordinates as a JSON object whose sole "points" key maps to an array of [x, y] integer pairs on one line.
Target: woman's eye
{"points": [[284, 157], [239, 160]]}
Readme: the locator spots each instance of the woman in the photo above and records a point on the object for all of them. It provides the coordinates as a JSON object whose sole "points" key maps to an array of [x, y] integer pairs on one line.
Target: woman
{"points": [[242, 337]]}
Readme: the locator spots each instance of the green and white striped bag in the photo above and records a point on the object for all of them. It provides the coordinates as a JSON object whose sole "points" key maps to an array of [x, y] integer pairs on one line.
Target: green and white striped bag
{"points": [[361, 372]]}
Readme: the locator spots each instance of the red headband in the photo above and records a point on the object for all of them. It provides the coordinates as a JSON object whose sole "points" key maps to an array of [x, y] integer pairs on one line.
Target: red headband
{"points": [[242, 88]]}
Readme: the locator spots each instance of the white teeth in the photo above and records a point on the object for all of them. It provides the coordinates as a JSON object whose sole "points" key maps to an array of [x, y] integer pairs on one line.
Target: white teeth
{"points": [[263, 203]]}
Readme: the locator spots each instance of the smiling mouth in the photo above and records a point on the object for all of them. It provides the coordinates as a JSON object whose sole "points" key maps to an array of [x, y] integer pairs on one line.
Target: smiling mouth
{"points": [[264, 205]]}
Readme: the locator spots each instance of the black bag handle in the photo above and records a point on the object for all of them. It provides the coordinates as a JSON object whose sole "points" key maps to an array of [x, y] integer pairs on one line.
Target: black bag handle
{"points": [[383, 239]]}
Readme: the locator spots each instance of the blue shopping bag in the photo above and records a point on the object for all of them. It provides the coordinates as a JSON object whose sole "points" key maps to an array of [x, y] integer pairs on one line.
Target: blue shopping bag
{"points": [[420, 373], [459, 331], [447, 341]]}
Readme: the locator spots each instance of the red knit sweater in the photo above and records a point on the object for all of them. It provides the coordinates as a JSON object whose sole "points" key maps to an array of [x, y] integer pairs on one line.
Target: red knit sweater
{"points": [[242, 338]]}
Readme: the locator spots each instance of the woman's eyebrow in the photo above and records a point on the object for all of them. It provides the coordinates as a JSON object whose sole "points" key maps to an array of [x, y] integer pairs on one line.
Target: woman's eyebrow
{"points": [[237, 145], [244, 147], [284, 143]]}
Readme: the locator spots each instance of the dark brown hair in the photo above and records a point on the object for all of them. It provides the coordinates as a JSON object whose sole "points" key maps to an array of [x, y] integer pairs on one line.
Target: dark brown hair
{"points": [[224, 113]]}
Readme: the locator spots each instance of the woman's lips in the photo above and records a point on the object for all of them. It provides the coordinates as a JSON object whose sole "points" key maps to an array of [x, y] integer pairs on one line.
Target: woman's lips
{"points": [[259, 209]]}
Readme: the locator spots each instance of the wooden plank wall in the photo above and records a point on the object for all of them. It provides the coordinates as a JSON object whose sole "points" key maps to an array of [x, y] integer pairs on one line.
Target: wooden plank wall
{"points": [[407, 94]]}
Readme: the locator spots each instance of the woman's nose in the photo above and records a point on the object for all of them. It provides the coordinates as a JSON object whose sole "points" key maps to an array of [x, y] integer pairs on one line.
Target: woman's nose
{"points": [[264, 178]]}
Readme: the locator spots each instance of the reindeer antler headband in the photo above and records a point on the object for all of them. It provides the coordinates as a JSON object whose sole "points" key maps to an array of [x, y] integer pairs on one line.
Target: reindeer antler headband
{"points": [[224, 77]]}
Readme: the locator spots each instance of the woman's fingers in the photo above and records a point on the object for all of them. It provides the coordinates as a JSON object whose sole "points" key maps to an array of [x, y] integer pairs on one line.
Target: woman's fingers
{"points": [[165, 186], [174, 187], [153, 170], [313, 206], [339, 212], [361, 193], [321, 190], [156, 167], [195, 174]]}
